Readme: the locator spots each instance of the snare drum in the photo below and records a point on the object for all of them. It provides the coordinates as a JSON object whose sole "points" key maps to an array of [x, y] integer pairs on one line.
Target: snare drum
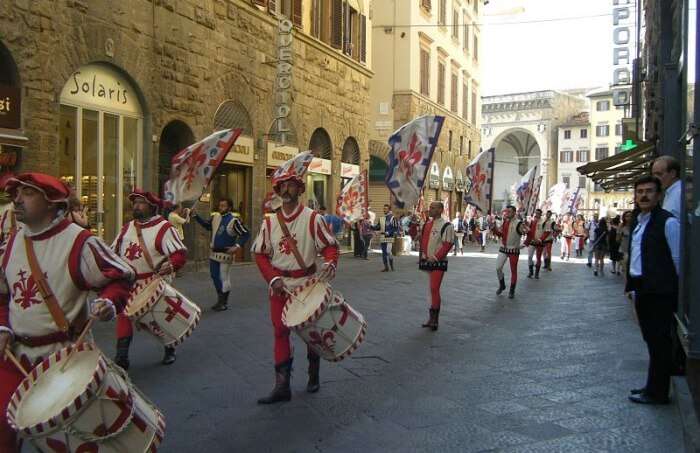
{"points": [[157, 307], [331, 327], [90, 406]]}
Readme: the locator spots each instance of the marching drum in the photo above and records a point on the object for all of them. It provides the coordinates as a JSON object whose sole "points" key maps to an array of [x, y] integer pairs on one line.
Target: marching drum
{"points": [[90, 406], [322, 318], [155, 306]]}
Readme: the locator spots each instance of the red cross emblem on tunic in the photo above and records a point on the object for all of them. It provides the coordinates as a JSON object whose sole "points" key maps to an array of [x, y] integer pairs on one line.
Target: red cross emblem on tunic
{"points": [[26, 290], [133, 251], [175, 308], [285, 244]]}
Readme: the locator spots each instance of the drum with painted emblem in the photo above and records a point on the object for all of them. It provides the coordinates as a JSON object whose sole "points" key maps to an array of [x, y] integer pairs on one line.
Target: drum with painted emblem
{"points": [[155, 306], [89, 406], [324, 320]]}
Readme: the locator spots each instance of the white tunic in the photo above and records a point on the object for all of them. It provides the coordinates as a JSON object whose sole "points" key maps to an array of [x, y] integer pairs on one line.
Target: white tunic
{"points": [[73, 262], [160, 238], [438, 237]]}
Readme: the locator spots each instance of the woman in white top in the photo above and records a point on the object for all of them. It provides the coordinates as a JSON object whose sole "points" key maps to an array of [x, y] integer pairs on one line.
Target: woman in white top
{"points": [[179, 217]]}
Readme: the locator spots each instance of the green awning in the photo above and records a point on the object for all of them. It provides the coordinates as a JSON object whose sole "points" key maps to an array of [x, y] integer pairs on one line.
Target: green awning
{"points": [[619, 171]]}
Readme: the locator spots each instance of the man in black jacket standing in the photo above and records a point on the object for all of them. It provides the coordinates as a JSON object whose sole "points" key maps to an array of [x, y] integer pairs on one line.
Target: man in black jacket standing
{"points": [[653, 276]]}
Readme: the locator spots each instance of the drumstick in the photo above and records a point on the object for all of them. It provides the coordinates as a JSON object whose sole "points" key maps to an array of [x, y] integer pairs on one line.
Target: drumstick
{"points": [[293, 296], [80, 339], [14, 360]]}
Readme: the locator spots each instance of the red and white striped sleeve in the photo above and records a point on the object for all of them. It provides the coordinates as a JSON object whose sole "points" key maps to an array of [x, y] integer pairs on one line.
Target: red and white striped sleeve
{"points": [[100, 269], [168, 241], [325, 241]]}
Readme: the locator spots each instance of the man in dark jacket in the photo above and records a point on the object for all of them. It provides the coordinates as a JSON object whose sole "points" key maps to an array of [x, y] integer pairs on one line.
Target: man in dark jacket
{"points": [[654, 257]]}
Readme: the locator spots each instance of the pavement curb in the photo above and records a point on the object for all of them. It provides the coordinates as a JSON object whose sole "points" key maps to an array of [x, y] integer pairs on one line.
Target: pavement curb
{"points": [[689, 419]]}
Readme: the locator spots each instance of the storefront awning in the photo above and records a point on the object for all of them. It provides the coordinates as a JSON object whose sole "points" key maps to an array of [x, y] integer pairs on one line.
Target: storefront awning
{"points": [[13, 137], [619, 171]]}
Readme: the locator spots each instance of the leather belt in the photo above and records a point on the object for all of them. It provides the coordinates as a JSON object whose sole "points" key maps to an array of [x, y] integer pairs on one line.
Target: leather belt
{"points": [[507, 251], [298, 273], [45, 340]]}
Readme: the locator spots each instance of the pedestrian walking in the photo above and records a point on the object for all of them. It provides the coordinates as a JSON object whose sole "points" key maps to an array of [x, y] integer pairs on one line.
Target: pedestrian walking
{"points": [[591, 227], [366, 234], [600, 246], [653, 276], [388, 227], [458, 224], [579, 235], [567, 231], [614, 244], [625, 243], [668, 170]]}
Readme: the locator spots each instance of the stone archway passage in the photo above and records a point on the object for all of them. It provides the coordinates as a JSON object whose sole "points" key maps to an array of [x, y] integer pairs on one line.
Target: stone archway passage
{"points": [[175, 137], [320, 144], [517, 151], [9, 74]]}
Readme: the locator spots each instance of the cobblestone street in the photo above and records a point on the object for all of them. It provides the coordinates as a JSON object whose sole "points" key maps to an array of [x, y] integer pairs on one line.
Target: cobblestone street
{"points": [[548, 371]]}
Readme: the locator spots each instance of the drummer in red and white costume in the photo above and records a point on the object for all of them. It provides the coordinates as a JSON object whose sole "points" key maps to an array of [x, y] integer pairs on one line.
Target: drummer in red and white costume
{"points": [[281, 269], [536, 240], [165, 253], [510, 233], [437, 239], [73, 263]]}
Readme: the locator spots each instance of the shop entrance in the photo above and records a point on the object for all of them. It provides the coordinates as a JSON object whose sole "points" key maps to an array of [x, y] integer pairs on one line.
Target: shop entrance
{"points": [[101, 144]]}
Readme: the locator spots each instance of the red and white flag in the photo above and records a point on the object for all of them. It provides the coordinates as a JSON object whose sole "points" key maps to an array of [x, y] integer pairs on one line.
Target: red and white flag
{"points": [[352, 201], [193, 167]]}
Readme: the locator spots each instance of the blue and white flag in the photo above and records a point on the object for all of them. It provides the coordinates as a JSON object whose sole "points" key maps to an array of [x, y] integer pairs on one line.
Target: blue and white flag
{"points": [[479, 180], [412, 148]]}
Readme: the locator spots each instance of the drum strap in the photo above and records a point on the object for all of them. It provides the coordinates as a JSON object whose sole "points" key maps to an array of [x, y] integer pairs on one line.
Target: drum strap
{"points": [[146, 255], [290, 240], [51, 303]]}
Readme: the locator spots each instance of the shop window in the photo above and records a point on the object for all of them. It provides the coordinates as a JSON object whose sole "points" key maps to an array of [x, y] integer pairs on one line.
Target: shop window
{"points": [[351, 152]]}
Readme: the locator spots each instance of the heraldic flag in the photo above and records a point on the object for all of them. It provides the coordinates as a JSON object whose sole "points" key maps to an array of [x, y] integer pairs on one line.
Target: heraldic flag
{"points": [[523, 190], [535, 197], [352, 201], [193, 167], [412, 148], [479, 180]]}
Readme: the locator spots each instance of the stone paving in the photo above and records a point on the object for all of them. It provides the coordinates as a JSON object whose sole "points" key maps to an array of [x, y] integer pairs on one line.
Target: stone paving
{"points": [[546, 372]]}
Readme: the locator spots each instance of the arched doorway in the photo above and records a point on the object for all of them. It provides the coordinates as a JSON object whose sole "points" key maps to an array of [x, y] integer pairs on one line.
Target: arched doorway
{"points": [[320, 169], [234, 179], [175, 137], [101, 142], [11, 139], [349, 161], [517, 151]]}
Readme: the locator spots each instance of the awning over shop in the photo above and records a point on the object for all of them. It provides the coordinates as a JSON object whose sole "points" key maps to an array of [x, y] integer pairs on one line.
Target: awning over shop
{"points": [[619, 171], [13, 137]]}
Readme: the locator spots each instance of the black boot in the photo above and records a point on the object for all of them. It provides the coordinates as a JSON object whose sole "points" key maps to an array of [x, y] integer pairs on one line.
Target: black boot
{"points": [[537, 272], [530, 267], [122, 357], [222, 304], [511, 293], [281, 390], [314, 366], [432, 323], [169, 357], [501, 286]]}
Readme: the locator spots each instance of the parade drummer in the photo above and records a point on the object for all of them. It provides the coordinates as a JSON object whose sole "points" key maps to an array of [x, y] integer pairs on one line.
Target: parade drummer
{"points": [[437, 239], [285, 252], [49, 268], [228, 236], [151, 245]]}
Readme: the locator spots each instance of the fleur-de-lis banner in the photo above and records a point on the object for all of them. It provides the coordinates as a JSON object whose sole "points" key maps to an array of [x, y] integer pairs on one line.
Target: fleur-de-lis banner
{"points": [[352, 201], [412, 148], [479, 180], [193, 167]]}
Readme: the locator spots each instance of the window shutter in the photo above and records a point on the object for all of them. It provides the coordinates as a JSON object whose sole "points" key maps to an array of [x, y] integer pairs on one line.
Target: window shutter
{"points": [[272, 6], [425, 4], [296, 13], [315, 23], [337, 24], [262, 3], [363, 38]]}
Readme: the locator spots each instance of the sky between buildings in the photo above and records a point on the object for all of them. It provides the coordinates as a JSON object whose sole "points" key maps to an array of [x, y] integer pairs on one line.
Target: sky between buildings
{"points": [[559, 54]]}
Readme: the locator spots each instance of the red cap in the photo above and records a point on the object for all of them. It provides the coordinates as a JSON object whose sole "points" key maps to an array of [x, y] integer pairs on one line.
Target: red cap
{"points": [[150, 197], [54, 190]]}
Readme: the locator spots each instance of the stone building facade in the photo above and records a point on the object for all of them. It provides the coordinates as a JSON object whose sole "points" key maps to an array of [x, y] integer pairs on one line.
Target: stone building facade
{"points": [[111, 90], [429, 67]]}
